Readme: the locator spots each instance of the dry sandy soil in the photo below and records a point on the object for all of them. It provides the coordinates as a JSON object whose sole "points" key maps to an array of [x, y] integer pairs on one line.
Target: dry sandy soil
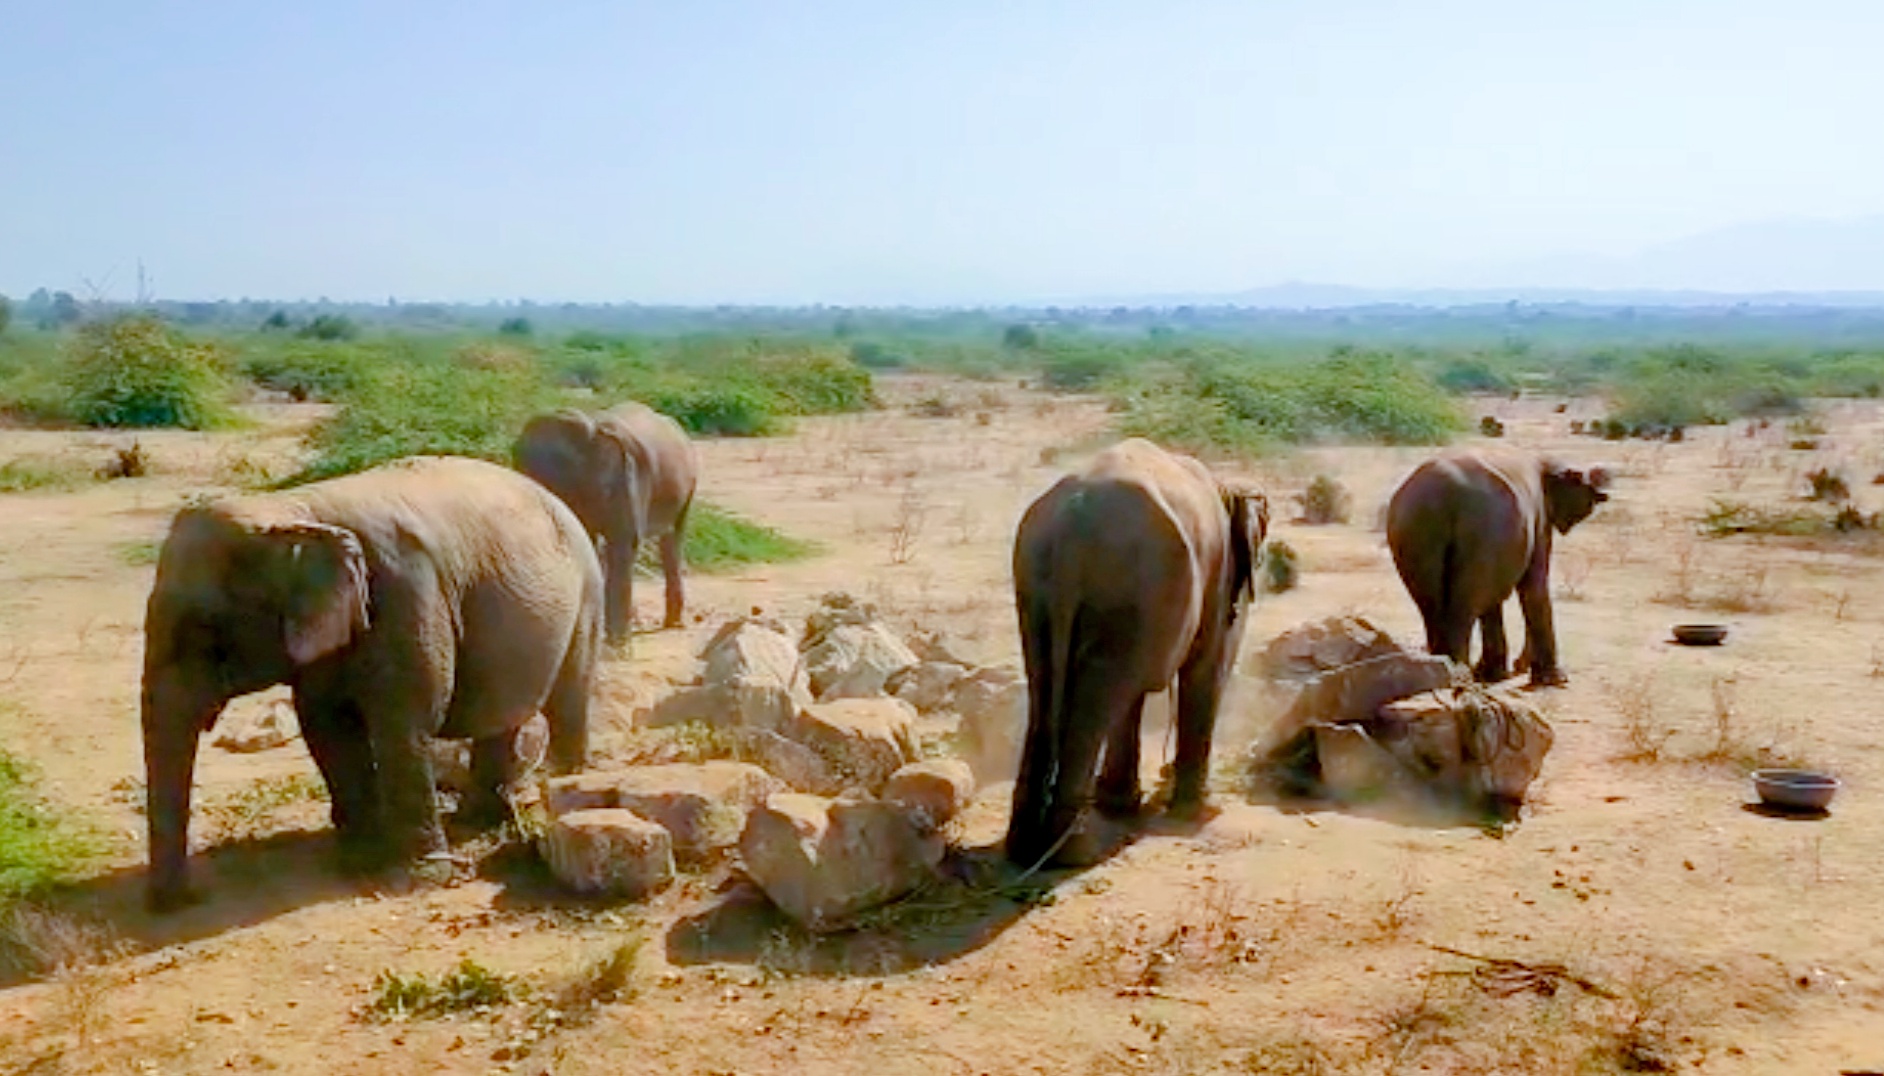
{"points": [[1707, 937]]}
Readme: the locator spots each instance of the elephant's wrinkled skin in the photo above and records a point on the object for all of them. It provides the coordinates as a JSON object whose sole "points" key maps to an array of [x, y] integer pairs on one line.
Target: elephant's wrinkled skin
{"points": [[1469, 527], [1128, 575], [629, 473], [431, 596]]}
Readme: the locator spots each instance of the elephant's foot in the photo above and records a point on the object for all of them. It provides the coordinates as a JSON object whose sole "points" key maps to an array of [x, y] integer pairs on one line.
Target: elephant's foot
{"points": [[1491, 674], [166, 899], [482, 811], [1119, 803], [1552, 677]]}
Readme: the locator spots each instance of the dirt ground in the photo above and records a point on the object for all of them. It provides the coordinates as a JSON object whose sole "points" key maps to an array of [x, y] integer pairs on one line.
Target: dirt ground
{"points": [[1706, 937]]}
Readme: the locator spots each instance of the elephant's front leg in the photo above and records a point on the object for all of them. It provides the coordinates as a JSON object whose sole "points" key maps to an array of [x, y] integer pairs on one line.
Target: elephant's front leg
{"points": [[1494, 661], [1540, 630], [1118, 783], [404, 701]]}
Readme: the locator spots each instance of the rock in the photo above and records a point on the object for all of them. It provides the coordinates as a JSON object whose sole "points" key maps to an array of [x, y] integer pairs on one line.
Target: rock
{"points": [[933, 646], [863, 741], [755, 702], [928, 686], [993, 705], [854, 661], [1314, 648], [703, 805], [835, 609], [933, 792], [801, 768], [609, 851], [753, 650], [1354, 769], [1353, 693], [244, 733], [824, 861]]}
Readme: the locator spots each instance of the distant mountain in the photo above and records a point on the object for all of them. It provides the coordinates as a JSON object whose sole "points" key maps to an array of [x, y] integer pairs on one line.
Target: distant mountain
{"points": [[1792, 261]]}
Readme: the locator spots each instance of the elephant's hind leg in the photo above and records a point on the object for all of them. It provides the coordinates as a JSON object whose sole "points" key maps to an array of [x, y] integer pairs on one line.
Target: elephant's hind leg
{"points": [[1494, 660], [673, 567], [567, 708], [493, 769], [1119, 791]]}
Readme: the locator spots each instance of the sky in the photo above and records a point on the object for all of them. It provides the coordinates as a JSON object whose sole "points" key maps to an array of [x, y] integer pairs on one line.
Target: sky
{"points": [[922, 151]]}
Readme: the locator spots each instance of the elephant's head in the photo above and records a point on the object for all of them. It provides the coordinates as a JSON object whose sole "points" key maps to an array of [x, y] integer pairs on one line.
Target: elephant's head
{"points": [[1570, 494], [1249, 525], [590, 466], [242, 599]]}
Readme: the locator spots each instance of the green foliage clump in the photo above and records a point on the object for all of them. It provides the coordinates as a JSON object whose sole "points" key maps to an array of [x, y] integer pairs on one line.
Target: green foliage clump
{"points": [[6, 313], [1243, 408], [25, 474], [39, 847], [1688, 385], [468, 986], [516, 327], [305, 369], [1473, 374], [134, 371], [726, 410], [1077, 367], [1280, 567], [717, 540], [330, 327], [435, 409]]}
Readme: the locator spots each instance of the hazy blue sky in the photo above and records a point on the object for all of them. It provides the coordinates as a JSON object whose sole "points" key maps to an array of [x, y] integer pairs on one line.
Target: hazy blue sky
{"points": [[910, 151]]}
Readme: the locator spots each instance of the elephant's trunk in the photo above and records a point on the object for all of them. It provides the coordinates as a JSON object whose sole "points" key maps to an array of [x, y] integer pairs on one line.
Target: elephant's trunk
{"points": [[174, 717]]}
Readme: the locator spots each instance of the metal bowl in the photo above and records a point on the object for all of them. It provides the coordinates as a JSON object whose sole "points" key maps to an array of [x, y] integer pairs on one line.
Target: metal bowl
{"points": [[1700, 634], [1798, 790]]}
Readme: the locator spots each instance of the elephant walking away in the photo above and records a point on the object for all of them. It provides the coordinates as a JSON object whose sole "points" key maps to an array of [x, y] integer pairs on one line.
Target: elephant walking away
{"points": [[432, 596], [629, 473], [1469, 527], [1127, 575]]}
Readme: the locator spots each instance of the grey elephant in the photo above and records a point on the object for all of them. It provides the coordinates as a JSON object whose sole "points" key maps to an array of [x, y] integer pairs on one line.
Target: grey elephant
{"points": [[1469, 527], [629, 473], [431, 596], [1128, 575]]}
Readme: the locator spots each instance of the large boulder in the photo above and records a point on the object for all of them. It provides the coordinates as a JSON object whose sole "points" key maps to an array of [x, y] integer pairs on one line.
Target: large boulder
{"points": [[263, 728], [1354, 692], [824, 861], [928, 686], [751, 679], [801, 768], [855, 661], [1313, 649], [752, 649], [933, 791], [993, 705], [703, 805], [863, 741], [1483, 744], [609, 851]]}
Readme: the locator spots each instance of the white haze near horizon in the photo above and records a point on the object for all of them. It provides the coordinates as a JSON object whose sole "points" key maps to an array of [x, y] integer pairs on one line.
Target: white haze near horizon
{"points": [[929, 152]]}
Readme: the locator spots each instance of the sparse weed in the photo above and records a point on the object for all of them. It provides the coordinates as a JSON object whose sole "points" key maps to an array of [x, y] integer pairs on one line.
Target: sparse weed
{"points": [[1326, 501], [1280, 567], [1634, 700], [25, 474], [469, 986], [248, 810]]}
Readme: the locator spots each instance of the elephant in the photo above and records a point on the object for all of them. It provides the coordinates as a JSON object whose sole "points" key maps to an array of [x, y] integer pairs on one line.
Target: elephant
{"points": [[1129, 574], [430, 596], [629, 473], [1467, 528]]}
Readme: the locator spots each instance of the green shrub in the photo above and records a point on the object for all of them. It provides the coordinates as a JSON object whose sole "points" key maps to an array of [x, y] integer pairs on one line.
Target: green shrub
{"points": [[726, 410], [306, 369], [1473, 375], [1280, 568], [135, 371], [6, 313], [426, 409], [720, 541], [39, 847], [470, 985], [25, 474], [813, 382], [516, 327], [330, 327]]}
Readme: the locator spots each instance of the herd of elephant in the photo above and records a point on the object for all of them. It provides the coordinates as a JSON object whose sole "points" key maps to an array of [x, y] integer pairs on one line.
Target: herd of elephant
{"points": [[450, 597]]}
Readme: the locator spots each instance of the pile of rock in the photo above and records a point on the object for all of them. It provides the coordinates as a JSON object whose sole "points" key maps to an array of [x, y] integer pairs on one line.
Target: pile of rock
{"points": [[1365, 723], [829, 807]]}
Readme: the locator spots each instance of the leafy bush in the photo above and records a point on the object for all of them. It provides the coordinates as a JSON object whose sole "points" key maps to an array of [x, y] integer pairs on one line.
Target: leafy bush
{"points": [[305, 369], [330, 327], [431, 409], [134, 371], [1280, 568], [1242, 408], [6, 313], [515, 327], [26, 473], [727, 410], [1326, 501], [38, 846], [1473, 375], [717, 540]]}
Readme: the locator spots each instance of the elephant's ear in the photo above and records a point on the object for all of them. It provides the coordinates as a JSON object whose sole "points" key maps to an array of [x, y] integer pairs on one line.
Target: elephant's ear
{"points": [[1249, 525], [555, 449], [325, 599]]}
